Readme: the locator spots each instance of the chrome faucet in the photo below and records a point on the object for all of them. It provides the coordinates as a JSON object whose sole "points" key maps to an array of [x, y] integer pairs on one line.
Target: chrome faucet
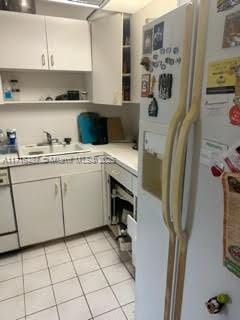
{"points": [[50, 139]]}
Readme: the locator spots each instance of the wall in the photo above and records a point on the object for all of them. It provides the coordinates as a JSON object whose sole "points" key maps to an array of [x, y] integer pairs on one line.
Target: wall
{"points": [[153, 10], [60, 120]]}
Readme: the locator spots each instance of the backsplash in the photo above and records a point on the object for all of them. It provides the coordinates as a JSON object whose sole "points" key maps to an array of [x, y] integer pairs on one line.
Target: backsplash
{"points": [[61, 120]]}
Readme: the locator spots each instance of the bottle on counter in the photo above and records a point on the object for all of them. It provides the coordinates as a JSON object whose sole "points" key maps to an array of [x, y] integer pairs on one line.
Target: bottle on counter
{"points": [[2, 137], [12, 136]]}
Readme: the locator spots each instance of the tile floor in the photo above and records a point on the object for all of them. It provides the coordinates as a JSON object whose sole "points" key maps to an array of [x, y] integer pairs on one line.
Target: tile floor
{"points": [[78, 279]]}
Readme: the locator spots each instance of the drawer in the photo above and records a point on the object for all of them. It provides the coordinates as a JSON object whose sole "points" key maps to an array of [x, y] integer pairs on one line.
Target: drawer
{"points": [[9, 243], [50, 170], [121, 175]]}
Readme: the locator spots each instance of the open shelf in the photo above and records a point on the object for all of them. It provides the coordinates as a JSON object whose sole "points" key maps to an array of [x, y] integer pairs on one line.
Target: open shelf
{"points": [[46, 102]]}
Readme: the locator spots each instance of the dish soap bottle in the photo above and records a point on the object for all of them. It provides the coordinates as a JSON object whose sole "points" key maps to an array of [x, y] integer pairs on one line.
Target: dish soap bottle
{"points": [[7, 90]]}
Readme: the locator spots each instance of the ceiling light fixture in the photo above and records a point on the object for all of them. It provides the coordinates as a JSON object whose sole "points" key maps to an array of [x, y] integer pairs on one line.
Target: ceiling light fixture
{"points": [[95, 4]]}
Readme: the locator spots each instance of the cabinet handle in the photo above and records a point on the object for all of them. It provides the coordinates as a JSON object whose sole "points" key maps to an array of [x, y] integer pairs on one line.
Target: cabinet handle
{"points": [[43, 60], [65, 187], [52, 60], [56, 189]]}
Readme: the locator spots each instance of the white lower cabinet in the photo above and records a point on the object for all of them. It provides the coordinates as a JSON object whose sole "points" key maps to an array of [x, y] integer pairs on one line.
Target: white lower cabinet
{"points": [[39, 213], [82, 202]]}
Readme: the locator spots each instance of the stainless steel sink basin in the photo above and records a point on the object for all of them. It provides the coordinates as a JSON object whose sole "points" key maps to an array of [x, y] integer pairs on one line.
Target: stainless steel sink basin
{"points": [[7, 149], [50, 150]]}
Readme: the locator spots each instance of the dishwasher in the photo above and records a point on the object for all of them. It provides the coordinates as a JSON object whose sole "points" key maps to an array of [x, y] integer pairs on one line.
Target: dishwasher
{"points": [[8, 230], [122, 207]]}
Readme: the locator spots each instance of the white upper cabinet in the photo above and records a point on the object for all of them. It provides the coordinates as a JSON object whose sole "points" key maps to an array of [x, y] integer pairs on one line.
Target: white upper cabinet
{"points": [[23, 41], [107, 37], [69, 44]]}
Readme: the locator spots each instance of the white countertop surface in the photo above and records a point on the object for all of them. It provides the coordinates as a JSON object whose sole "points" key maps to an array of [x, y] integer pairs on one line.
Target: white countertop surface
{"points": [[123, 153]]}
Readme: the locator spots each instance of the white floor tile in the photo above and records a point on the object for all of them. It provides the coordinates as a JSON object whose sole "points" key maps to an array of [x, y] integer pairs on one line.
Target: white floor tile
{"points": [[112, 315], [86, 265], [36, 280], [67, 290], [11, 288], [34, 264], [116, 273], [10, 258], [95, 236], [54, 247], [49, 314], [12, 309], [58, 257], [113, 242], [129, 311], [100, 245], [102, 301], [75, 242], [39, 300], [80, 252], [125, 292], [9, 271], [107, 234], [33, 252], [74, 310], [63, 272], [93, 281], [107, 258]]}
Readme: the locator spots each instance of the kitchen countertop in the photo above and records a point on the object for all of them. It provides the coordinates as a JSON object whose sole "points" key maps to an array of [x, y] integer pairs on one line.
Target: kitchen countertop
{"points": [[123, 153]]}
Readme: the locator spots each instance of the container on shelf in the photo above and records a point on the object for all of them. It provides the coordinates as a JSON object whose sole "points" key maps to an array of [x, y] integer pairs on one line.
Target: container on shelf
{"points": [[15, 90], [7, 90]]}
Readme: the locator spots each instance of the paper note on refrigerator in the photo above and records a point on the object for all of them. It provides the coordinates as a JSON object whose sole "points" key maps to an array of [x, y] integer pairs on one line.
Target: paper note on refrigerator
{"points": [[222, 76], [231, 187]]}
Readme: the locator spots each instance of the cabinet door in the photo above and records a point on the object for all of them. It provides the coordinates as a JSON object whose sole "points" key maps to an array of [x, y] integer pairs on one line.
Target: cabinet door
{"points": [[82, 202], [69, 44], [107, 38], [23, 41], [39, 214], [7, 222]]}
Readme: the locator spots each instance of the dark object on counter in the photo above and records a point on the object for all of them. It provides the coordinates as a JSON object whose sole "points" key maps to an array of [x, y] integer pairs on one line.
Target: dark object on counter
{"points": [[62, 97], [101, 131], [73, 95], [135, 146], [25, 6], [49, 99], [68, 140], [87, 123]]}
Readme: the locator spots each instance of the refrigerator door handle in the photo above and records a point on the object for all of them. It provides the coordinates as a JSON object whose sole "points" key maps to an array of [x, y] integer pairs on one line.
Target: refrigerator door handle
{"points": [[176, 122]]}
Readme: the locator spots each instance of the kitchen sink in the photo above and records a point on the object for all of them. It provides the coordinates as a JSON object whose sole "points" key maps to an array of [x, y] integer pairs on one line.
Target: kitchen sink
{"points": [[51, 150], [8, 149]]}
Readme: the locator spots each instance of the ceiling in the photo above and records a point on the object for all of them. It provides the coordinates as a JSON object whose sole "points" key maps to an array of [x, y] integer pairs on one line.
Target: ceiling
{"points": [[71, 7]]}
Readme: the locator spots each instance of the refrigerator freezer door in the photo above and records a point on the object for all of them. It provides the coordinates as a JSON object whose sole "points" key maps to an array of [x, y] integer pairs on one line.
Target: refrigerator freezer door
{"points": [[206, 276], [153, 245]]}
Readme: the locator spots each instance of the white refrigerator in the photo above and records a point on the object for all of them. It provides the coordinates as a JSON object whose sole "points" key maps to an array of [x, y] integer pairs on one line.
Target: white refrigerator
{"points": [[184, 128]]}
